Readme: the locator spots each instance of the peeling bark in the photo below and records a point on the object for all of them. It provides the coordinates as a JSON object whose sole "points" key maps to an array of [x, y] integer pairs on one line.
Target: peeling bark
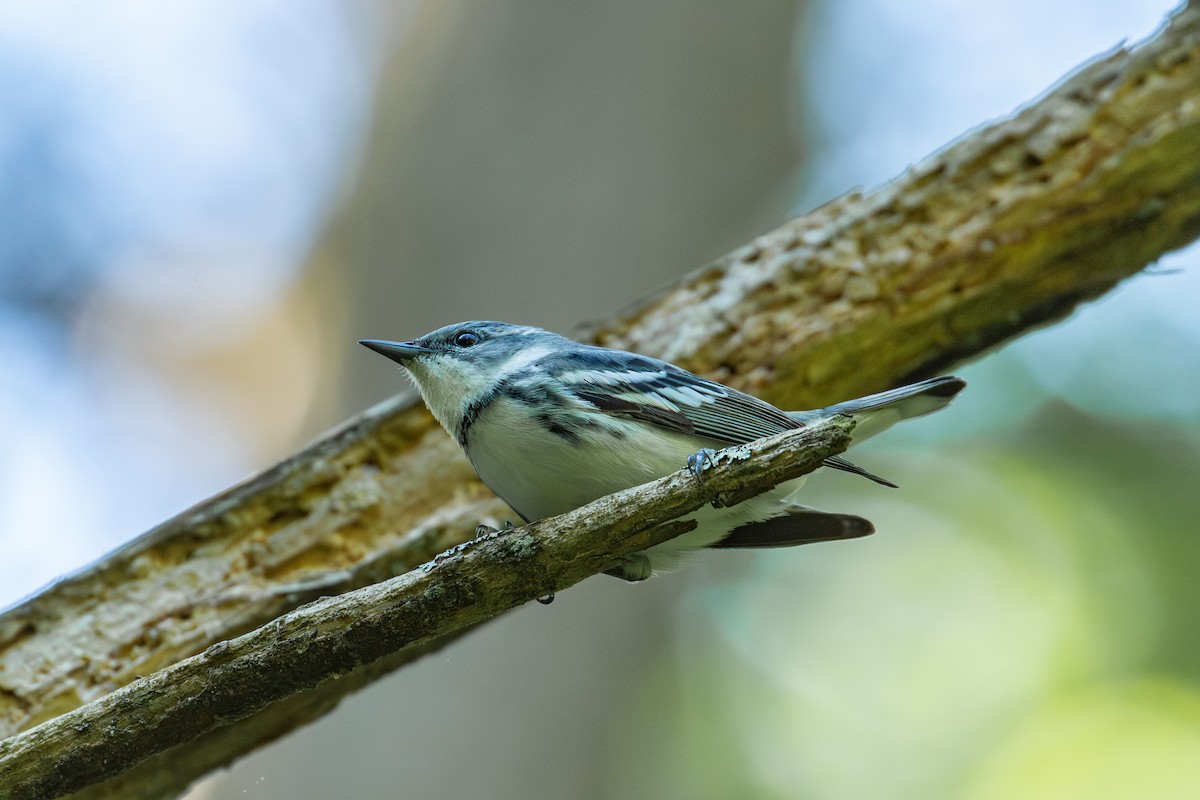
{"points": [[332, 637]]}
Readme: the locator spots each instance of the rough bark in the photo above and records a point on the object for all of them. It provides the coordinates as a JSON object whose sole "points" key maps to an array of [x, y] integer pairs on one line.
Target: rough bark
{"points": [[331, 637], [1010, 227]]}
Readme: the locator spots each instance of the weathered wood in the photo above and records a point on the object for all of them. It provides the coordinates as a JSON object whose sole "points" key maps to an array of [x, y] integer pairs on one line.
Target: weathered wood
{"points": [[334, 636]]}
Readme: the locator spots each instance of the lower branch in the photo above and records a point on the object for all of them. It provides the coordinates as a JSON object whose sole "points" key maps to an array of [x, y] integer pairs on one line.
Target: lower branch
{"points": [[334, 636]]}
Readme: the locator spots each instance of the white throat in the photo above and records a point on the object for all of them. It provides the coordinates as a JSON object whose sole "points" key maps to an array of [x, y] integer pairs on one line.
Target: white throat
{"points": [[450, 384]]}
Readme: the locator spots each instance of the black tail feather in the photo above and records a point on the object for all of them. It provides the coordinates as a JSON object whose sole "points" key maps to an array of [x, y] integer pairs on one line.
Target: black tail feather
{"points": [[837, 462], [800, 525]]}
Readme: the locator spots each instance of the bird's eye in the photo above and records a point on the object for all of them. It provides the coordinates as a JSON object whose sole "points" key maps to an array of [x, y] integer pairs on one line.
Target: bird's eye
{"points": [[466, 339]]}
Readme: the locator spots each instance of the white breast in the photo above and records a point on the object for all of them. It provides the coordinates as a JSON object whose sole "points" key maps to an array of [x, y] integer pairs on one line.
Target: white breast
{"points": [[540, 473]]}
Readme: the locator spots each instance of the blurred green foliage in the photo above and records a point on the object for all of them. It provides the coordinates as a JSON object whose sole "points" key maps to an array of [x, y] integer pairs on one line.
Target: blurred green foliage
{"points": [[1022, 625]]}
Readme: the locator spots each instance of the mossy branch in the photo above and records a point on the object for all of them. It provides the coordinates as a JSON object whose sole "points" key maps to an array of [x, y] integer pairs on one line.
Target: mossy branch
{"points": [[334, 636]]}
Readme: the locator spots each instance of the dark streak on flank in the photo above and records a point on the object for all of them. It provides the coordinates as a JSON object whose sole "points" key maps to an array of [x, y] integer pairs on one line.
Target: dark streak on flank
{"points": [[563, 427], [477, 407], [566, 427]]}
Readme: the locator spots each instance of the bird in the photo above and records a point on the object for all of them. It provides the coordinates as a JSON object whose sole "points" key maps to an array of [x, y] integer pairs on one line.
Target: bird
{"points": [[550, 424]]}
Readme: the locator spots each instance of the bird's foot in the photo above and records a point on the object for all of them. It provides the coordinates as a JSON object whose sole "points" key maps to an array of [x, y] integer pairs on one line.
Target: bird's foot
{"points": [[486, 531], [482, 534], [701, 460]]}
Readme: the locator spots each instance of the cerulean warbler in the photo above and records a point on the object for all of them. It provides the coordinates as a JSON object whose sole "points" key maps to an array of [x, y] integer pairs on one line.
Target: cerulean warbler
{"points": [[550, 425]]}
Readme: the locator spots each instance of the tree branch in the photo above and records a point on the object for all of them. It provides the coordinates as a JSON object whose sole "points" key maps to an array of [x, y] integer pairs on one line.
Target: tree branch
{"points": [[1010, 227], [321, 641]]}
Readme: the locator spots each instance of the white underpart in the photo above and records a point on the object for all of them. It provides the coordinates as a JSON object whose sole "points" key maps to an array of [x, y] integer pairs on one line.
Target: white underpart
{"points": [[541, 474]]}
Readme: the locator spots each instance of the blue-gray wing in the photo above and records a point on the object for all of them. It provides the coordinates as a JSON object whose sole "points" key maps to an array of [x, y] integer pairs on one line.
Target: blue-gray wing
{"points": [[662, 394]]}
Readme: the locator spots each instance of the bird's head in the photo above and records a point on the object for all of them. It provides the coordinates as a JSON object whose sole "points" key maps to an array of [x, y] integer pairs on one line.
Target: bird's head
{"points": [[458, 365]]}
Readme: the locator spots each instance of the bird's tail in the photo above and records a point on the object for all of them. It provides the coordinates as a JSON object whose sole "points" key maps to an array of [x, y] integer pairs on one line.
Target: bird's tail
{"points": [[876, 413]]}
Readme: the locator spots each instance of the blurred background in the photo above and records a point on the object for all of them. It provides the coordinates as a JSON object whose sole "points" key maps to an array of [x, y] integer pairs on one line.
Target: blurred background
{"points": [[204, 206]]}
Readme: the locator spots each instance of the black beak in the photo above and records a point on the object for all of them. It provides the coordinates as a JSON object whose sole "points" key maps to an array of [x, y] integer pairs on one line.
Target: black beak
{"points": [[400, 352]]}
